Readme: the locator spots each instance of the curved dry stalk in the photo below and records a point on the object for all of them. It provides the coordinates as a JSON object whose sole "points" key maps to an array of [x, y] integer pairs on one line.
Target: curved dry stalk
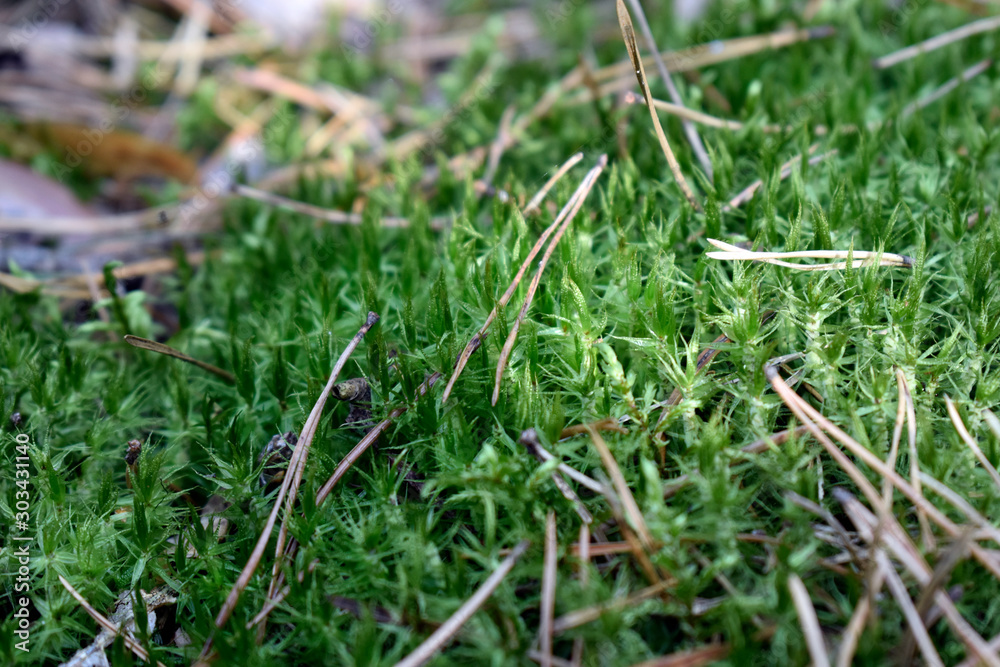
{"points": [[553, 179], [820, 425], [586, 615], [703, 118], [945, 88], [936, 42], [967, 438], [477, 340], [548, 604], [897, 433], [926, 535], [621, 487], [436, 641], [728, 251], [808, 621], [289, 488], [326, 214], [628, 33], [689, 129], [574, 204], [345, 464], [105, 623], [160, 348]]}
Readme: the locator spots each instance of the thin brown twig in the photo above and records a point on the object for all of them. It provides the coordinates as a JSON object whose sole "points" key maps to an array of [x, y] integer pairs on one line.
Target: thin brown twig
{"points": [[575, 202], [628, 33], [586, 615], [103, 621], [808, 621], [477, 340], [436, 641], [689, 129], [289, 488], [326, 214], [548, 604], [936, 42], [160, 348], [970, 442]]}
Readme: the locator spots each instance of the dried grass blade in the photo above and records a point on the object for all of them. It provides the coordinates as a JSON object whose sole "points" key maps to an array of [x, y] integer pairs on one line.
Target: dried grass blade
{"points": [[586, 615], [477, 340], [548, 589], [553, 179], [967, 438], [628, 34], [436, 641], [808, 621], [632, 512], [160, 348], [696, 657], [288, 488], [689, 129], [577, 202], [105, 623], [936, 42]]}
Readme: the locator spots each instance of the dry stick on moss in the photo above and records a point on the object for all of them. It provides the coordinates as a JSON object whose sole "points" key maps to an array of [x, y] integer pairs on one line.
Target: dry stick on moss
{"points": [[962, 505], [852, 633], [955, 554], [628, 33], [160, 348], [747, 193], [808, 621], [695, 657], [477, 340], [574, 204], [103, 621], [707, 119], [942, 90], [926, 535], [897, 433], [583, 571], [926, 46], [533, 205], [503, 139], [548, 602], [345, 464], [575, 619], [967, 438], [898, 541], [689, 129], [631, 508], [820, 425], [529, 438], [727, 251], [289, 488], [436, 641], [329, 215]]}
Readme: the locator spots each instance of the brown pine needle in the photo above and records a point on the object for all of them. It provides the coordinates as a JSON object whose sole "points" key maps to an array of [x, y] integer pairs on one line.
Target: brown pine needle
{"points": [[296, 465], [784, 172], [326, 214], [927, 536], [897, 432], [574, 204], [553, 179], [160, 348], [936, 42], [817, 424], [436, 641], [548, 589], [345, 464], [861, 258], [105, 623], [689, 129], [477, 340], [945, 88], [631, 508], [586, 615], [808, 621], [628, 33], [967, 438], [697, 657], [367, 441], [703, 118]]}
